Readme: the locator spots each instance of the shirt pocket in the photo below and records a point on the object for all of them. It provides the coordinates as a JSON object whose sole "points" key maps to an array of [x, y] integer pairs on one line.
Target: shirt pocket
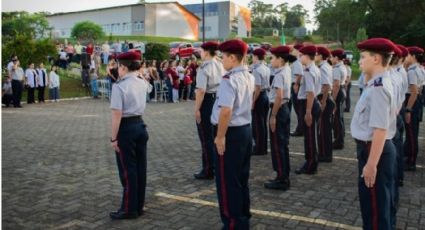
{"points": [[362, 111]]}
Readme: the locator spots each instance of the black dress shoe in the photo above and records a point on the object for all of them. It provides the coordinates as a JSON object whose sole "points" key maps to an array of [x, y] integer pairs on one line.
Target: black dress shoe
{"points": [[203, 176], [303, 170], [278, 185], [18, 106], [297, 134], [325, 159], [120, 215], [400, 183], [346, 110], [140, 213]]}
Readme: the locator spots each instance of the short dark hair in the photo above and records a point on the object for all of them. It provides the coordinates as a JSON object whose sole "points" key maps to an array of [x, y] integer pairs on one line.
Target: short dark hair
{"points": [[239, 57], [419, 57], [385, 56], [131, 65]]}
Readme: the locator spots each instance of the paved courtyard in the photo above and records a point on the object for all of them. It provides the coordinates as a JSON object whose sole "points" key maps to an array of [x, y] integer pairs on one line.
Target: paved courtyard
{"points": [[59, 172]]}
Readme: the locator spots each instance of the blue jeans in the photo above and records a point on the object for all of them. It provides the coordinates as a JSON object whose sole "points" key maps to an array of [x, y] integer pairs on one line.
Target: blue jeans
{"points": [[93, 85], [54, 93]]}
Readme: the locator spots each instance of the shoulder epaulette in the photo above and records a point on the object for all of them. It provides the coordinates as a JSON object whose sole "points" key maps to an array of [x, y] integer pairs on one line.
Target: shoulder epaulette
{"points": [[227, 76], [377, 82], [307, 70]]}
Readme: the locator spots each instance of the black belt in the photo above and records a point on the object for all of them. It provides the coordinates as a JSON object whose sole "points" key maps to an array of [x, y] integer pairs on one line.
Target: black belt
{"points": [[131, 119], [210, 95], [284, 102], [360, 142]]}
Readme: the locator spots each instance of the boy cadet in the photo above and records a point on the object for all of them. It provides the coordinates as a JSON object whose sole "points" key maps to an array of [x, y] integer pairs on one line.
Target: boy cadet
{"points": [[309, 108], [327, 105], [280, 117], [297, 73], [373, 127], [207, 81], [339, 74], [413, 106], [260, 105], [232, 119]]}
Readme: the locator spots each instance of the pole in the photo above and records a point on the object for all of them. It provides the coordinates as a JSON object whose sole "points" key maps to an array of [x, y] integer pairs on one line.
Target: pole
{"points": [[203, 21]]}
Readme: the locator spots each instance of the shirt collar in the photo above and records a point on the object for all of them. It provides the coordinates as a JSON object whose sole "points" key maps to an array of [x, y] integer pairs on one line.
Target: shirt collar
{"points": [[130, 74], [413, 66], [370, 82], [237, 69]]}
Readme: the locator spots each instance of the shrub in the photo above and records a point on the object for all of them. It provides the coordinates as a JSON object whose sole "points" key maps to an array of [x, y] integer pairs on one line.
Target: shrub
{"points": [[157, 51]]}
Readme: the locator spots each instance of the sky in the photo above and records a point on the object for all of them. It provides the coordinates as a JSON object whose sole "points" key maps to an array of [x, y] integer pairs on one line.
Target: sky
{"points": [[55, 6]]}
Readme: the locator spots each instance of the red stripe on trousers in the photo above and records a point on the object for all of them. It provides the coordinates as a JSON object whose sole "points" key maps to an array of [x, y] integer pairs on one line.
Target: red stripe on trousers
{"points": [[374, 208], [204, 152], [223, 188], [276, 147], [310, 146], [127, 191]]}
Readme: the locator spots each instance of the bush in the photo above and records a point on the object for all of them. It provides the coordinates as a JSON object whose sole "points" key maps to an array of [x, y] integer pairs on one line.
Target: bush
{"points": [[157, 51]]}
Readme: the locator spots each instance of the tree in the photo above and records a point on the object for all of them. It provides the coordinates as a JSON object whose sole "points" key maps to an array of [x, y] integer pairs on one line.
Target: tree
{"points": [[87, 31], [296, 17], [29, 50], [339, 19], [23, 23]]}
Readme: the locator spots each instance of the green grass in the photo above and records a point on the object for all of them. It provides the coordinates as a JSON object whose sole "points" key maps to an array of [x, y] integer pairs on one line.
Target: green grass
{"points": [[144, 39]]}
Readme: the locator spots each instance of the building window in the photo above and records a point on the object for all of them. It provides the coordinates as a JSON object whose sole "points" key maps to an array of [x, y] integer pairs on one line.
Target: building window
{"points": [[207, 28]]}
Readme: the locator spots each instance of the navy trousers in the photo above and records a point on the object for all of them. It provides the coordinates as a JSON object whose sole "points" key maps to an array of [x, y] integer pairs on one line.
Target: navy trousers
{"points": [[232, 176], [324, 129], [348, 98], [205, 133], [17, 88], [131, 161], [297, 108], [310, 147], [279, 141], [376, 203], [259, 123], [338, 121], [412, 132]]}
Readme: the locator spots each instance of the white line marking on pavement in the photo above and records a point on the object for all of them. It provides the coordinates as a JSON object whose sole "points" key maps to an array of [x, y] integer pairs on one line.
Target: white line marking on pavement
{"points": [[262, 212]]}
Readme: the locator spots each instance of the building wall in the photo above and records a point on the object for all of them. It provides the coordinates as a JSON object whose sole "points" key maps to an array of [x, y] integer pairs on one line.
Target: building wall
{"points": [[116, 20], [165, 19], [138, 17], [219, 18], [174, 21]]}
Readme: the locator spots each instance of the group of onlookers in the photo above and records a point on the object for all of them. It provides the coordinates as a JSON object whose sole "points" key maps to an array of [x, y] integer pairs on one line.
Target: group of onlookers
{"points": [[34, 78]]}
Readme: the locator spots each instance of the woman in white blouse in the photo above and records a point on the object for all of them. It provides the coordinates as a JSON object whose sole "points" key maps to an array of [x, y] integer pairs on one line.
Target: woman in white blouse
{"points": [[54, 84]]}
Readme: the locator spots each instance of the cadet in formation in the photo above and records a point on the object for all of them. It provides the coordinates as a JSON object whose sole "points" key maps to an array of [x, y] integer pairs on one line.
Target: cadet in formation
{"points": [[280, 117], [129, 135], [260, 106], [231, 117], [327, 106], [207, 82], [309, 108], [373, 126]]}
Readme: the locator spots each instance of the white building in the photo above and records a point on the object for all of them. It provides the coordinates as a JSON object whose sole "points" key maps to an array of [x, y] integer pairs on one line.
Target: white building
{"points": [[166, 19]]}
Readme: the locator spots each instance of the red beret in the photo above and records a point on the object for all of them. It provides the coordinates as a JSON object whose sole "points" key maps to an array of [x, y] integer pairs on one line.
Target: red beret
{"points": [[280, 50], [404, 51], [298, 46], [415, 50], [323, 51], [259, 52], [129, 56], [338, 53], [233, 47], [397, 51], [377, 44], [210, 45], [308, 50]]}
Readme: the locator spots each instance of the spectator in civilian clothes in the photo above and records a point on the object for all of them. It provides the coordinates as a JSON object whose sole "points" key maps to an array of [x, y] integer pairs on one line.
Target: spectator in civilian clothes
{"points": [[85, 67], [181, 72], [31, 82], [17, 75], [105, 52], [78, 51], [69, 49], [13, 60], [90, 48], [63, 59], [112, 70], [7, 94], [171, 74], [93, 82], [193, 66], [42, 82], [54, 84], [117, 48], [125, 47]]}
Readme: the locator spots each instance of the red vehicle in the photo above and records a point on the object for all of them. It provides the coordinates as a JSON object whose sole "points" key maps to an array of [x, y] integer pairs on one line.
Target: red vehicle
{"points": [[197, 47], [179, 50]]}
